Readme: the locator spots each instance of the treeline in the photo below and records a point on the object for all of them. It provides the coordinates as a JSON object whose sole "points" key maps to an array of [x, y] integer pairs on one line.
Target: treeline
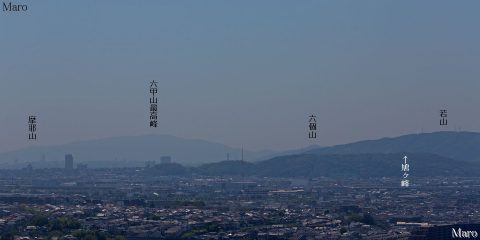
{"points": [[333, 165]]}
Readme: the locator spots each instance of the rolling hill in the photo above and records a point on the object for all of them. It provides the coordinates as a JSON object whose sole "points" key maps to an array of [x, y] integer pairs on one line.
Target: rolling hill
{"points": [[463, 146], [127, 151]]}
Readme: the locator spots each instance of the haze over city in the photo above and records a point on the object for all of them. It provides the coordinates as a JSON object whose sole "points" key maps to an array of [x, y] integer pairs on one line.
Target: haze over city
{"points": [[298, 120], [243, 73]]}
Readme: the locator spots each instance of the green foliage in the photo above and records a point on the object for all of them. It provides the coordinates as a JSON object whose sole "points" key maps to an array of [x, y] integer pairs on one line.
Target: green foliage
{"points": [[7, 236], [95, 235], [365, 218], [461, 146], [63, 223], [29, 209], [193, 232], [363, 165], [233, 167], [39, 220], [168, 169], [52, 234], [368, 219]]}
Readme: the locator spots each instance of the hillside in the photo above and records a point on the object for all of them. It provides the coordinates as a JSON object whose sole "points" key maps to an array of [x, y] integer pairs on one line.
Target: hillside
{"points": [[126, 151], [336, 166], [464, 146]]}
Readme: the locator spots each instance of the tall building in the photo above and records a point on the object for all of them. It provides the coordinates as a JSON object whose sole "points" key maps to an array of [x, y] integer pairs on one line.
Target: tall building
{"points": [[69, 161]]}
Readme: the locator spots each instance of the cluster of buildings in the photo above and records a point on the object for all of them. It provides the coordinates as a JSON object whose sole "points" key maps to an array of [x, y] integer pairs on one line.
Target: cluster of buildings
{"points": [[132, 203]]}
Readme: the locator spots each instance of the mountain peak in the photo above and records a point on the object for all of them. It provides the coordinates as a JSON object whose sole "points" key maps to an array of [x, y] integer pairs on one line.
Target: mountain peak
{"points": [[457, 145]]}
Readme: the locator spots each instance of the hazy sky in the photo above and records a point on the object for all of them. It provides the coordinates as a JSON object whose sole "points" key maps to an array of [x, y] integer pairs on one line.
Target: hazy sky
{"points": [[238, 72]]}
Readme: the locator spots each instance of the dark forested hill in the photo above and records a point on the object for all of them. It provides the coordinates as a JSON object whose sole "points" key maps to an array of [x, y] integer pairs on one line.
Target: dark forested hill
{"points": [[344, 165], [463, 146]]}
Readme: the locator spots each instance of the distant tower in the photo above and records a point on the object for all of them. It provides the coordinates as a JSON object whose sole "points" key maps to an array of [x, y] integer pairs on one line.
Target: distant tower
{"points": [[228, 156], [69, 162], [242, 153]]}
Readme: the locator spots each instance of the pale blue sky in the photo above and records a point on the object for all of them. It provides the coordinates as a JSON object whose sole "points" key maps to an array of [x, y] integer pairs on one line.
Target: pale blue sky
{"points": [[238, 72]]}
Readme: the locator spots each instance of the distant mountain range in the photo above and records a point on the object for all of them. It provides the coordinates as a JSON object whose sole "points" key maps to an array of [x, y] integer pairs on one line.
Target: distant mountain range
{"points": [[311, 165], [128, 151], [439, 153], [464, 146], [429, 154]]}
